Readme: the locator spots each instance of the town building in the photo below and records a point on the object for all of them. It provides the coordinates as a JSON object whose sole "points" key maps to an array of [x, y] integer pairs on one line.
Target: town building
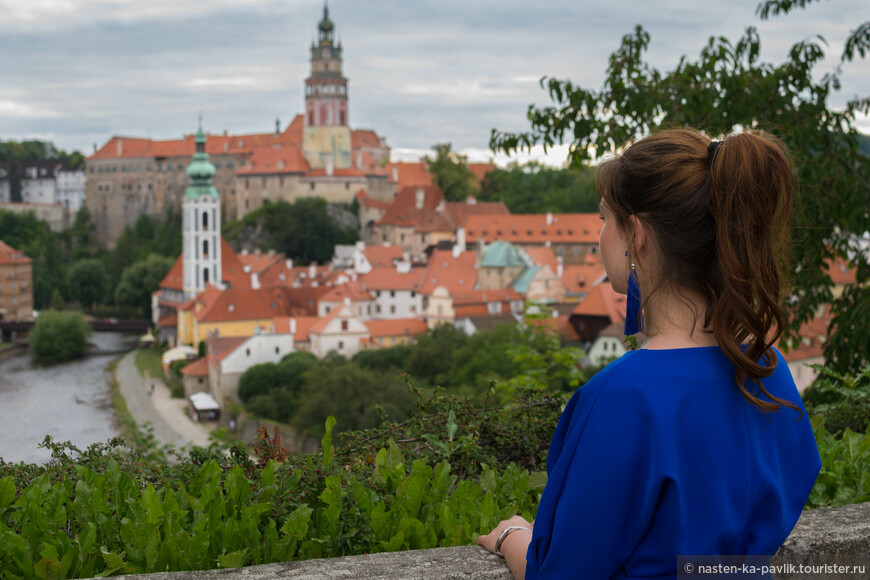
{"points": [[16, 284], [317, 155], [50, 189]]}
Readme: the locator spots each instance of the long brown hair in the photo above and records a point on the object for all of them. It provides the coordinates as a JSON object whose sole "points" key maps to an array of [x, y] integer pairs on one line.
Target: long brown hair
{"points": [[720, 214]]}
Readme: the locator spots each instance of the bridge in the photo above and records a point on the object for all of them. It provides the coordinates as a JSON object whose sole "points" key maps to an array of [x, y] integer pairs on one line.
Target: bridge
{"points": [[12, 329]]}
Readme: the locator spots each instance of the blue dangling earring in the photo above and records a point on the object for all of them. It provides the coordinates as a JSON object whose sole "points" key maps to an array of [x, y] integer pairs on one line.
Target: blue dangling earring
{"points": [[632, 304]]}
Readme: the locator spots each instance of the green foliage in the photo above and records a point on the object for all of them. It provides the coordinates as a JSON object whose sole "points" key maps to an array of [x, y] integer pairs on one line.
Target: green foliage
{"points": [[59, 336], [357, 397], [535, 188], [88, 282], [727, 87], [304, 230], [841, 402], [384, 359], [450, 172], [106, 512], [845, 475], [138, 282]]}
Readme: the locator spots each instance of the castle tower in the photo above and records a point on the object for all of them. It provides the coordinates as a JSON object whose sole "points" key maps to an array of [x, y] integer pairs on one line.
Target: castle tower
{"points": [[201, 225], [326, 141]]}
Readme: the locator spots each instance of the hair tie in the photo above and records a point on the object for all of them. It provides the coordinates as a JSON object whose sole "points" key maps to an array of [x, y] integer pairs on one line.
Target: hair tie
{"points": [[711, 150]]}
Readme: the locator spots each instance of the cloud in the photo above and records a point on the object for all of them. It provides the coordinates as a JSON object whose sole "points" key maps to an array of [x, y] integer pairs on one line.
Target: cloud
{"points": [[21, 110]]}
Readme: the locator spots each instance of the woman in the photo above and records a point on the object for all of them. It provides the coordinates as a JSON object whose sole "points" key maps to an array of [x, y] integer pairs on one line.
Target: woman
{"points": [[697, 443]]}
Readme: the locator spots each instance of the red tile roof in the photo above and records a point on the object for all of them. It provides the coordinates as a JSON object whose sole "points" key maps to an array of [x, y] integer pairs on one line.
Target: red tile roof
{"points": [[544, 256], [409, 174], [366, 200], [486, 296], [360, 138], [198, 368], [168, 321], [352, 290], [583, 277], [388, 278], [174, 279], [129, 147], [534, 229], [221, 347], [321, 324], [459, 211], [382, 255], [303, 326], [260, 261], [237, 304], [271, 161], [457, 275], [349, 172], [11, 256], [404, 211], [396, 327], [602, 301]]}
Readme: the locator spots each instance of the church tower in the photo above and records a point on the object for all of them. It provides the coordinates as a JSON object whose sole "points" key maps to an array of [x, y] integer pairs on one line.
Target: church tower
{"points": [[201, 226], [326, 142]]}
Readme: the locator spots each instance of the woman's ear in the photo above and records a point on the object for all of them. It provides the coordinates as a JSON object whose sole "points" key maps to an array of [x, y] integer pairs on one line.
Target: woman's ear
{"points": [[641, 235]]}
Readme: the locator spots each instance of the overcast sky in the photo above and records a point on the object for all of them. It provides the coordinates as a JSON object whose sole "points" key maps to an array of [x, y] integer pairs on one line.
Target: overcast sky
{"points": [[421, 72]]}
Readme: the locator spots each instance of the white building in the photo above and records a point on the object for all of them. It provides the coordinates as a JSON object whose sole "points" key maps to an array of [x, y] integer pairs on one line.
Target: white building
{"points": [[341, 332], [71, 189]]}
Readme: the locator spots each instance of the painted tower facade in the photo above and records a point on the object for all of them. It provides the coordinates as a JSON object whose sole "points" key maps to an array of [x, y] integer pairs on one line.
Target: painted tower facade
{"points": [[201, 215], [327, 137]]}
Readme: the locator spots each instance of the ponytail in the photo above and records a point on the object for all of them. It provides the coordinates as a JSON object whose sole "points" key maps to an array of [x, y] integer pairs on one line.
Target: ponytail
{"points": [[751, 190], [720, 213]]}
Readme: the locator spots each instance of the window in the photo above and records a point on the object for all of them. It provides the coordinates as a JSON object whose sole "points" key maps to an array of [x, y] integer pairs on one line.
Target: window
{"points": [[205, 276], [312, 186], [205, 249], [327, 309], [393, 309], [344, 324], [392, 293], [205, 221], [340, 345], [247, 352], [378, 309], [277, 350]]}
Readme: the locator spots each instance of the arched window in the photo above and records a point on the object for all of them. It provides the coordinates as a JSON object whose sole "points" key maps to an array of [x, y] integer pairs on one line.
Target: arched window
{"points": [[205, 275], [205, 221], [205, 249]]}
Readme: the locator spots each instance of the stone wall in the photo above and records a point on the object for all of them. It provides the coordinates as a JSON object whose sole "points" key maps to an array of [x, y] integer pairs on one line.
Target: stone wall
{"points": [[821, 536]]}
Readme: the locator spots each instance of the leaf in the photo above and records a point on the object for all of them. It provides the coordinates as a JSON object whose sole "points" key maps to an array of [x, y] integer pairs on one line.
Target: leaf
{"points": [[234, 560], [7, 492], [326, 441], [48, 569]]}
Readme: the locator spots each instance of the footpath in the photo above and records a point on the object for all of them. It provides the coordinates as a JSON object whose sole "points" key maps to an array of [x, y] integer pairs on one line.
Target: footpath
{"points": [[167, 417]]}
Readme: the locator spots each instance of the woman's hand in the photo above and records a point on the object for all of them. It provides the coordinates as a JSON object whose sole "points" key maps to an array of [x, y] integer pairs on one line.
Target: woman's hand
{"points": [[488, 541], [514, 546]]}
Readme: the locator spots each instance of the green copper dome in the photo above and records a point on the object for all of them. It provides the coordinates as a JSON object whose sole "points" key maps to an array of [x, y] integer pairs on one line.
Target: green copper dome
{"points": [[200, 171]]}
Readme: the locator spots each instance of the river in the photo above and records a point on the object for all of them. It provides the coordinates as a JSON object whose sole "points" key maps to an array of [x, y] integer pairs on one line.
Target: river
{"points": [[68, 401]]}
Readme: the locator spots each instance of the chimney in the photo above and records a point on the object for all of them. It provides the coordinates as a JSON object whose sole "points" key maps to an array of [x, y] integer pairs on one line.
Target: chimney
{"points": [[471, 200], [460, 238], [395, 173], [360, 246], [288, 263], [420, 198], [255, 281], [560, 267], [277, 126], [292, 326], [549, 219], [312, 270], [119, 146]]}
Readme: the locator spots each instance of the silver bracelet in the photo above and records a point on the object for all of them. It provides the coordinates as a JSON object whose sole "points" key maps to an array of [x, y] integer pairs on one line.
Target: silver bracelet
{"points": [[504, 534]]}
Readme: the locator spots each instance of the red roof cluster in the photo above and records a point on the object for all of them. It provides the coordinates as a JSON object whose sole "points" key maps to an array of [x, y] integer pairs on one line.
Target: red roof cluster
{"points": [[535, 228], [10, 256]]}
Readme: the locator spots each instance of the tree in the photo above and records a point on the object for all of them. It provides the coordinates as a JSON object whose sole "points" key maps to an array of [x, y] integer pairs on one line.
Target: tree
{"points": [[88, 282], [352, 395], [727, 88], [139, 281], [450, 172], [303, 230], [535, 188], [59, 336], [81, 237]]}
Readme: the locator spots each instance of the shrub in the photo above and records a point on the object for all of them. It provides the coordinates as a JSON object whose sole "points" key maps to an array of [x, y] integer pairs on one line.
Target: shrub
{"points": [[59, 336]]}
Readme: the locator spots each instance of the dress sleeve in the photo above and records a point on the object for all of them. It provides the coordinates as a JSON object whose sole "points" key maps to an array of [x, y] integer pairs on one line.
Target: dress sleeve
{"points": [[602, 490]]}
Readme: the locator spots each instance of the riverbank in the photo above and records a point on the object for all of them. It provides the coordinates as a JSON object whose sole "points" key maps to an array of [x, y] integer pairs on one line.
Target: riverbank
{"points": [[169, 423], [9, 350]]}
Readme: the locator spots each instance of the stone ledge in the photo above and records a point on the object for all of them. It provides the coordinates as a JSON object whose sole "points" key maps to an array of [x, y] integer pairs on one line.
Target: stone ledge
{"points": [[821, 536]]}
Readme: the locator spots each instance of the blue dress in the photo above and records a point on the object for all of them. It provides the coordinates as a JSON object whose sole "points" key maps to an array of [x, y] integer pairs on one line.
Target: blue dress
{"points": [[660, 455]]}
